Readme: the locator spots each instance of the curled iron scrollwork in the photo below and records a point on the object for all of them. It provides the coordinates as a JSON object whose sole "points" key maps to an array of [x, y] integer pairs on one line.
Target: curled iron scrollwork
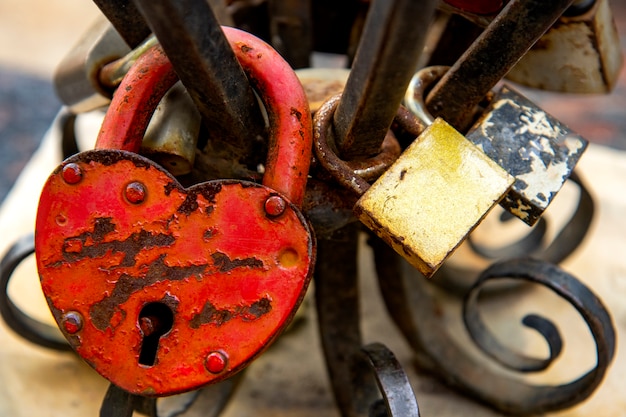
{"points": [[33, 330], [416, 306], [537, 242]]}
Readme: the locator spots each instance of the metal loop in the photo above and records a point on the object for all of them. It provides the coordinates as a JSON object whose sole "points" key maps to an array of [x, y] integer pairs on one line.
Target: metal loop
{"points": [[415, 96], [568, 288], [393, 383], [415, 307], [30, 329], [459, 278], [355, 175], [111, 74], [67, 130], [529, 243]]}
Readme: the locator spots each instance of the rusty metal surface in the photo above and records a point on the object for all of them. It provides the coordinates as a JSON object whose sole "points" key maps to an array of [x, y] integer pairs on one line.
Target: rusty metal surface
{"points": [[501, 45], [289, 115], [150, 322], [354, 175], [195, 44], [531, 145], [131, 108], [459, 277], [358, 374], [389, 49]]}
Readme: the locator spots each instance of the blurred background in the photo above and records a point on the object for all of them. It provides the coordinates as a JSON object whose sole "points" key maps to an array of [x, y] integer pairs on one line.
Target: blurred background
{"points": [[36, 34]]}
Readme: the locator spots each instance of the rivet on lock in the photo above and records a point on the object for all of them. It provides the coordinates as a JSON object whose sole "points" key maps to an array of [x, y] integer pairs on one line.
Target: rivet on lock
{"points": [[527, 142], [581, 53], [433, 196], [163, 289]]}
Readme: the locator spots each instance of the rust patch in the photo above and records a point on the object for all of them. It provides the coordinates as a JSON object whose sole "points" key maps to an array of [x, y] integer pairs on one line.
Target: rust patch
{"points": [[297, 113], [207, 190], [208, 234], [91, 245], [102, 312], [211, 315], [189, 205], [225, 264], [169, 187]]}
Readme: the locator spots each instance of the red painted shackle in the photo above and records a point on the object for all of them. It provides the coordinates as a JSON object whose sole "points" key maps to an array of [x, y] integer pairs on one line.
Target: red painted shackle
{"points": [[290, 136]]}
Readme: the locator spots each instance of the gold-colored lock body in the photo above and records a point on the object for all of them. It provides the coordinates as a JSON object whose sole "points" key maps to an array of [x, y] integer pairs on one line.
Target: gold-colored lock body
{"points": [[433, 196]]}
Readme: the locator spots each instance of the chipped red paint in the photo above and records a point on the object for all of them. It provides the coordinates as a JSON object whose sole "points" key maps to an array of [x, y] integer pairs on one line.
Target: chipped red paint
{"points": [[117, 234], [291, 139], [229, 290], [288, 110]]}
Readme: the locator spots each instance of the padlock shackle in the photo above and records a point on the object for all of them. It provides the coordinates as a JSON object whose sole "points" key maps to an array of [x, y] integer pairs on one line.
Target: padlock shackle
{"points": [[135, 100], [278, 86], [290, 135]]}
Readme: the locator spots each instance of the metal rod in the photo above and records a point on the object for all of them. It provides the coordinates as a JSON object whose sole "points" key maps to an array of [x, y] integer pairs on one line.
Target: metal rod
{"points": [[507, 38], [337, 301], [291, 32], [126, 20], [387, 56], [203, 59]]}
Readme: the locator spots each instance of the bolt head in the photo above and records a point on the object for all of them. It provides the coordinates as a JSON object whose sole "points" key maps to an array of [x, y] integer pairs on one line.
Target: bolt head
{"points": [[72, 174], [135, 192], [72, 322], [216, 362], [275, 205]]}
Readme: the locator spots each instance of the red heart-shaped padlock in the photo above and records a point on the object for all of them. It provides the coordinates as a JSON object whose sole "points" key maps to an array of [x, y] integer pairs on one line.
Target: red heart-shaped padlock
{"points": [[163, 289]]}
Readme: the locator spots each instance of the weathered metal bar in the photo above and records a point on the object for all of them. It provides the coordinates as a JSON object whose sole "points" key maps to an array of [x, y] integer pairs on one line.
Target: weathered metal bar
{"points": [[337, 301], [389, 49], [507, 38], [291, 31], [126, 19], [203, 59], [409, 299]]}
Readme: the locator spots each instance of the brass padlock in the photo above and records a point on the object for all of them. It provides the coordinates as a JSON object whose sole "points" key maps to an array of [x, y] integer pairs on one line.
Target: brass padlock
{"points": [[534, 147], [76, 80], [579, 54], [172, 135], [433, 196]]}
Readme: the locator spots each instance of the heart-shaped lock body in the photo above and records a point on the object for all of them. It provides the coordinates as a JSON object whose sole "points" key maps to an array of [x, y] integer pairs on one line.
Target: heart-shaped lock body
{"points": [[163, 289]]}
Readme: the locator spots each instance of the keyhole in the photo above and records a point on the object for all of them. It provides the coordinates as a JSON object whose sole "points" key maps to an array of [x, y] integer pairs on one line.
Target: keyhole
{"points": [[155, 320]]}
